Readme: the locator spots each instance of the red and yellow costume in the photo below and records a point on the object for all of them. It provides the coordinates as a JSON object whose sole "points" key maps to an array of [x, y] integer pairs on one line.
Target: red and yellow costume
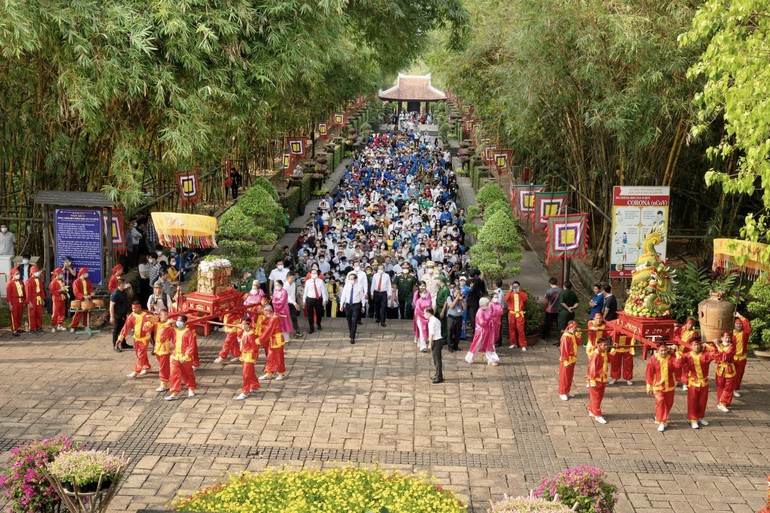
{"points": [[273, 337], [184, 343], [58, 291], [117, 272], [622, 359], [141, 325], [249, 350], [81, 289], [661, 380], [597, 381], [741, 343], [14, 294], [515, 301], [725, 373], [695, 367], [163, 335], [568, 348], [230, 344], [685, 335], [35, 295], [596, 329]]}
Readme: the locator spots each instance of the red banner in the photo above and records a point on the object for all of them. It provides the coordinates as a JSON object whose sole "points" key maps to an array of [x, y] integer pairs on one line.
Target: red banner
{"points": [[189, 191], [339, 118], [323, 130], [297, 146], [567, 236], [287, 162]]}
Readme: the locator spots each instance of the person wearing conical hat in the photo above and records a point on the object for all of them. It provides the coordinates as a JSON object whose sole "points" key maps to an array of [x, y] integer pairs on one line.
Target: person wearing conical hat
{"points": [[14, 295], [58, 291], [35, 295]]}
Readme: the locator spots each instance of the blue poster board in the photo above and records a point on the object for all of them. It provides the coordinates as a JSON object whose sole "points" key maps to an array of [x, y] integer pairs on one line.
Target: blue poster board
{"points": [[78, 235]]}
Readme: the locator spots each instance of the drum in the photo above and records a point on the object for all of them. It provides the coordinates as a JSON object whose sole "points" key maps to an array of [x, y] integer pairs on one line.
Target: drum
{"points": [[75, 305], [98, 303], [86, 304]]}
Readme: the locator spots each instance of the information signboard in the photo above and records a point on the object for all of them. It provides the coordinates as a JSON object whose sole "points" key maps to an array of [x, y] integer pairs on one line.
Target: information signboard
{"points": [[636, 211], [78, 235]]}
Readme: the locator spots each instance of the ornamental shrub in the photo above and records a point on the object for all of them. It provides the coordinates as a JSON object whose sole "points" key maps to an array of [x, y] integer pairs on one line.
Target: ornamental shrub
{"points": [[528, 505], [497, 206], [757, 308], [80, 468], [583, 485], [490, 193], [267, 186], [313, 491], [24, 485], [263, 209]]}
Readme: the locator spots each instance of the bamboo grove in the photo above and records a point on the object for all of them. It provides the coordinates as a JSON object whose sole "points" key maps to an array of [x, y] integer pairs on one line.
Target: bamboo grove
{"points": [[116, 96], [595, 94]]}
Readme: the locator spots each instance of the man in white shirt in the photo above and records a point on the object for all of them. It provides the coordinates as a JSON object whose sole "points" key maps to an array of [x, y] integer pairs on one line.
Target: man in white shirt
{"points": [[279, 273], [291, 288], [7, 240], [315, 299], [352, 303], [379, 296], [435, 343]]}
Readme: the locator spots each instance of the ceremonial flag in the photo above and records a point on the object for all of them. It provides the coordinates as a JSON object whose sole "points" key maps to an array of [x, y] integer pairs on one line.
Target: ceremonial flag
{"points": [[323, 130], [548, 204], [567, 236], [297, 145], [287, 162], [117, 230], [188, 186], [523, 198], [501, 161], [339, 118]]}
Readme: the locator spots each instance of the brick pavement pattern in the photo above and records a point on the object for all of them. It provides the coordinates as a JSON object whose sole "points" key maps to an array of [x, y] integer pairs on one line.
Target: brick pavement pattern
{"points": [[484, 432]]}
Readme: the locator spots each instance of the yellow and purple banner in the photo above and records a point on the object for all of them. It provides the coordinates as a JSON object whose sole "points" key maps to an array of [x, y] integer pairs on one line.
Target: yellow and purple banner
{"points": [[567, 236]]}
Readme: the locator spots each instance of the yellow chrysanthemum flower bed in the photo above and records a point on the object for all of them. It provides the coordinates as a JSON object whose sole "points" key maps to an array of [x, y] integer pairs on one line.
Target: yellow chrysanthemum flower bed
{"points": [[340, 490]]}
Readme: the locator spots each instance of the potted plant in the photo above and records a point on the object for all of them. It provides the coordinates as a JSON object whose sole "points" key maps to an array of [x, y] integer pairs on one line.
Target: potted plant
{"points": [[584, 486], [757, 309], [24, 485], [534, 316], [84, 472]]}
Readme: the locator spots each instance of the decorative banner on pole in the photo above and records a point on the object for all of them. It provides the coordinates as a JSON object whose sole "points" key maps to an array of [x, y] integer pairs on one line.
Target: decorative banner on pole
{"points": [[323, 130], [189, 230], [636, 211], [469, 126], [297, 145], [548, 204], [501, 161], [287, 161], [748, 257], [339, 118], [566, 236], [489, 154], [117, 230], [188, 186], [523, 198]]}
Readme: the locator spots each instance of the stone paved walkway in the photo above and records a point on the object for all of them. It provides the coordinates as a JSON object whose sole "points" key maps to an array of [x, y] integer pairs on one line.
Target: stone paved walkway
{"points": [[485, 432]]}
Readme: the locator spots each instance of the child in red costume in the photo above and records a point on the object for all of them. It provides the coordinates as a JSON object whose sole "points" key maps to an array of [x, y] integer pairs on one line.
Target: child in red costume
{"points": [[184, 343], [140, 323], [58, 291], [35, 294], [597, 379], [515, 299], [741, 334], [273, 337], [567, 359], [163, 334], [81, 289], [662, 371], [230, 345], [695, 367], [249, 350], [725, 371], [15, 296]]}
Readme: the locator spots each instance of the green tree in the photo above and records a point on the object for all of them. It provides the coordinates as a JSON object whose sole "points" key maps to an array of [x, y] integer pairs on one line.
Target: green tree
{"points": [[498, 247], [735, 68]]}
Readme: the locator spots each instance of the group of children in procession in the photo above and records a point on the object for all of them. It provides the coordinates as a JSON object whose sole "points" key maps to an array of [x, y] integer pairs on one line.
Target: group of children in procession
{"points": [[686, 362]]}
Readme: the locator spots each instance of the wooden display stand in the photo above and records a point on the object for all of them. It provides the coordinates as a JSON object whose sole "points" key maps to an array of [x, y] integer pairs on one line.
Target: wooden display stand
{"points": [[201, 308], [644, 330]]}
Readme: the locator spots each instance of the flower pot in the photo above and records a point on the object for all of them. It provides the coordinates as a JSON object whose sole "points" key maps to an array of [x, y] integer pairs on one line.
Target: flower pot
{"points": [[533, 339], [88, 487], [761, 354]]}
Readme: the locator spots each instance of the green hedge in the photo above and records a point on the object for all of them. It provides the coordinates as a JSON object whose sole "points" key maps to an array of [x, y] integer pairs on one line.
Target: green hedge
{"points": [[308, 186], [260, 204], [291, 200], [244, 255]]}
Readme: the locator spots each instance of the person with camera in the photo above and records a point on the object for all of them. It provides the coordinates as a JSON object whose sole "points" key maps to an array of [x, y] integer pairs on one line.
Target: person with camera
{"points": [[158, 300], [453, 311]]}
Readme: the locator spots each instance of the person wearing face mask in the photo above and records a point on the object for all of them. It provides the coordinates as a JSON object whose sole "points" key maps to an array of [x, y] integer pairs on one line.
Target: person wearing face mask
{"points": [[140, 324], [483, 334], [495, 321], [725, 376], [660, 377], [163, 334], [333, 292], [281, 309], [7, 240], [380, 288], [15, 296], [291, 290], [135, 236], [351, 302], [314, 298], [432, 283], [405, 282], [184, 345], [421, 301], [35, 295], [272, 335], [82, 290], [58, 300], [279, 273], [253, 299], [363, 283], [515, 300], [25, 269], [249, 351]]}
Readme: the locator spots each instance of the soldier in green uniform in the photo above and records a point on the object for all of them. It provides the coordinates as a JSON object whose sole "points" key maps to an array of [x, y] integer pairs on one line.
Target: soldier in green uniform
{"points": [[405, 282]]}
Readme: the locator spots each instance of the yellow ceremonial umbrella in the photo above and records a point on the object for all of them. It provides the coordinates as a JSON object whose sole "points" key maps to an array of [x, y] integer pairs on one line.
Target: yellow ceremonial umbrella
{"points": [[189, 230], [747, 257]]}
